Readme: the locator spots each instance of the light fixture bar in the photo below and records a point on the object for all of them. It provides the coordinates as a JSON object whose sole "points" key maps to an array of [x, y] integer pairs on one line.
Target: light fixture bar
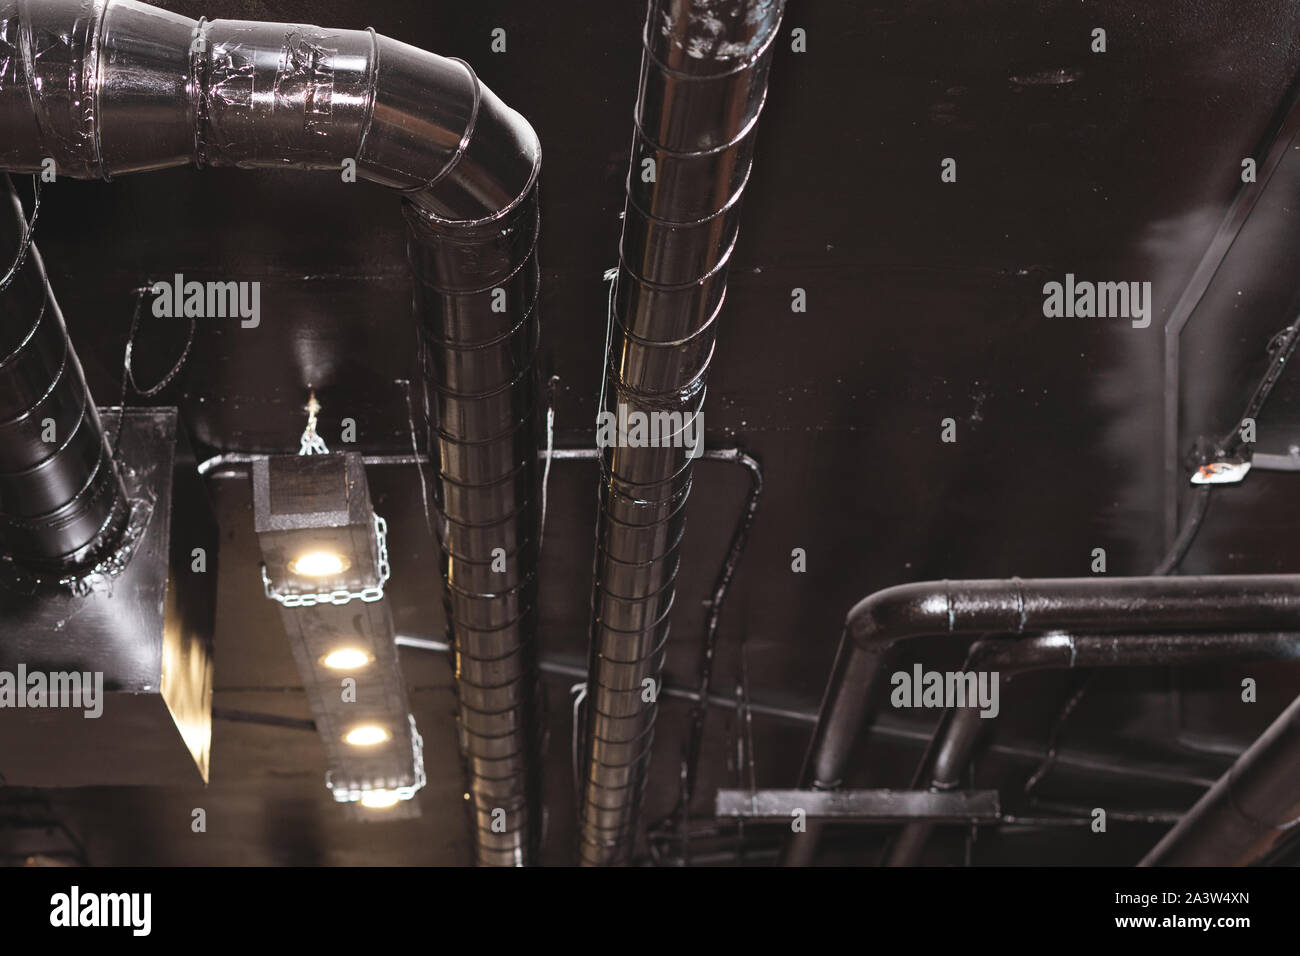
{"points": [[325, 562]]}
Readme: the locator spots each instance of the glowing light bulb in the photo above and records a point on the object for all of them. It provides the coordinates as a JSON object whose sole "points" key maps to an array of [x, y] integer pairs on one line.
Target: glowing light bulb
{"points": [[319, 564], [367, 735], [346, 659], [378, 799]]}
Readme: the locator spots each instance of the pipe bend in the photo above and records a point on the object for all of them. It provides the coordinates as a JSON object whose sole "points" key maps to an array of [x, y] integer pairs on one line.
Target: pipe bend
{"points": [[1000, 653], [105, 87], [896, 613], [1013, 657]]}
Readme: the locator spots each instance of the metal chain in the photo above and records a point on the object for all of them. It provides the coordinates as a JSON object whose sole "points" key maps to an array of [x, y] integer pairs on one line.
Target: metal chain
{"points": [[339, 596], [311, 443], [402, 793]]}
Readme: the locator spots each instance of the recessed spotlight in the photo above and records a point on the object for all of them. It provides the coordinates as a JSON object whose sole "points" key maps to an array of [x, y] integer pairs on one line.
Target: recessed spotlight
{"points": [[319, 564], [379, 799], [346, 659], [367, 735]]}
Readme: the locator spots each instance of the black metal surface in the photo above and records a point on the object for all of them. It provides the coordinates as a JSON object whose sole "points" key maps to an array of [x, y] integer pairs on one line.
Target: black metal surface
{"points": [[1010, 657], [62, 505], [146, 628], [1248, 812], [703, 83], [880, 622]]}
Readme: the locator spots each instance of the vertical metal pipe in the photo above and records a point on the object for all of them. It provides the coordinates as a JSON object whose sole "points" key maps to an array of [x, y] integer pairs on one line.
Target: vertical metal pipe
{"points": [[62, 503], [480, 398], [703, 83]]}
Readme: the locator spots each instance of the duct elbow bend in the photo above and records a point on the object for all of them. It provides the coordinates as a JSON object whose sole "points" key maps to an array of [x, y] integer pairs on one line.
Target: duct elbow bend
{"points": [[107, 87], [458, 154]]}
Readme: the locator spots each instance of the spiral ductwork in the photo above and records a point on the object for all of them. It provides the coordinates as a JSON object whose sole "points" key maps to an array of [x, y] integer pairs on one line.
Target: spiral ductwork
{"points": [[62, 504], [108, 87], [477, 299], [703, 82]]}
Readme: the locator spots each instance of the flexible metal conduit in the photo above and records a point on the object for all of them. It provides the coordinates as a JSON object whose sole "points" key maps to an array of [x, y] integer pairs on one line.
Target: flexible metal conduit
{"points": [[1011, 657], [703, 83], [1248, 812], [877, 624], [107, 87], [62, 504]]}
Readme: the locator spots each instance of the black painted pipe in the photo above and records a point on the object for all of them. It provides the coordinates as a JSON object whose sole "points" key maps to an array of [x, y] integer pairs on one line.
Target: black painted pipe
{"points": [[703, 83], [62, 504], [877, 624], [113, 87], [1248, 812], [1011, 657]]}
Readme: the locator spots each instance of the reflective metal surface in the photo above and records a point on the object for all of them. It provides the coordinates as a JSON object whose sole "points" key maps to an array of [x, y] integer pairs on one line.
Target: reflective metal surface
{"points": [[62, 504], [880, 622], [703, 83], [1009, 657], [114, 87]]}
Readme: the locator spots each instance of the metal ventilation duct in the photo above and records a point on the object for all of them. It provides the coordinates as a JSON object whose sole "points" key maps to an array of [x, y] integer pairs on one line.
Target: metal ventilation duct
{"points": [[106, 87], [703, 83], [62, 505]]}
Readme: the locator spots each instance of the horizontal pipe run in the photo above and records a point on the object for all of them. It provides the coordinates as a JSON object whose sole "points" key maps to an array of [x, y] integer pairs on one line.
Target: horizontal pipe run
{"points": [[878, 624], [1012, 657], [886, 726], [111, 87], [894, 729], [860, 806], [238, 464]]}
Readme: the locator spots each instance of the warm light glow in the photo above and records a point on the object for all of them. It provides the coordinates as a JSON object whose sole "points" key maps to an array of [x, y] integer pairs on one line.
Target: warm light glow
{"points": [[346, 659], [319, 564], [378, 799], [367, 735]]}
